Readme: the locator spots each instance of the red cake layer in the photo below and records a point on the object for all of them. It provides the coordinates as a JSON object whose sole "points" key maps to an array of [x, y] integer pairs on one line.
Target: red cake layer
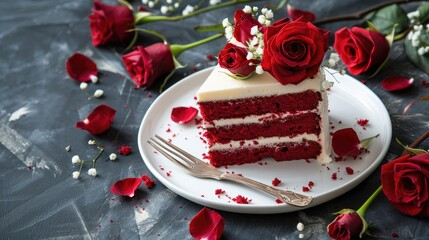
{"points": [[213, 110], [289, 126], [280, 152]]}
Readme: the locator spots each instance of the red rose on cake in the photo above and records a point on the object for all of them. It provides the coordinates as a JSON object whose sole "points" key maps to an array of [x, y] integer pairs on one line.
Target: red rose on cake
{"points": [[243, 23], [360, 49], [293, 50], [110, 24], [233, 58]]}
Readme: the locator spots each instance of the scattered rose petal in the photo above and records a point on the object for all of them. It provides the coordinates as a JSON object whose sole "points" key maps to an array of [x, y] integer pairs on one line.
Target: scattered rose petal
{"points": [[276, 182], [81, 68], [295, 13], [241, 199], [207, 224], [396, 83], [125, 150], [148, 181], [99, 120], [183, 114], [345, 142], [126, 187]]}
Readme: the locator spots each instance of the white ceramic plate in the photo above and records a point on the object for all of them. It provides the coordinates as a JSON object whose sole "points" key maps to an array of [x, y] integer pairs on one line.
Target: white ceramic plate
{"points": [[349, 101]]}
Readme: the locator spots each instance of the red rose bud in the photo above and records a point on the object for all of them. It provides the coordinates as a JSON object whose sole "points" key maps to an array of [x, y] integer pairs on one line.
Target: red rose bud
{"points": [[293, 51], [396, 83], [183, 114], [81, 68], [405, 182], [347, 225], [345, 142], [126, 187], [99, 120], [110, 24], [207, 224], [295, 13], [233, 58], [146, 64], [243, 22], [361, 50]]}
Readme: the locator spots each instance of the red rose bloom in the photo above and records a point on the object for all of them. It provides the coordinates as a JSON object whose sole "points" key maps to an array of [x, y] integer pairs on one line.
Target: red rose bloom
{"points": [[110, 24], [234, 59], [146, 64], [405, 182], [347, 225], [293, 50], [99, 120], [243, 22], [360, 49]]}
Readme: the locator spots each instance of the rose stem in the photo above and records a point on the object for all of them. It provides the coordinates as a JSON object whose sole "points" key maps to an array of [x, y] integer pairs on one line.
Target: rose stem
{"points": [[362, 210], [360, 14], [199, 11], [416, 142], [178, 49]]}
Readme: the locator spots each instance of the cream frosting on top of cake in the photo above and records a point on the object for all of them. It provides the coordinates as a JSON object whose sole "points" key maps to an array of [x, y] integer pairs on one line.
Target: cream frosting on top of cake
{"points": [[220, 86]]}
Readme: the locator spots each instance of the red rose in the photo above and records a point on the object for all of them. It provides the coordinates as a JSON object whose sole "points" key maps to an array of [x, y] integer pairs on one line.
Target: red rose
{"points": [[243, 22], [146, 64], [110, 24], [234, 59], [293, 50], [360, 49], [347, 225], [405, 182]]}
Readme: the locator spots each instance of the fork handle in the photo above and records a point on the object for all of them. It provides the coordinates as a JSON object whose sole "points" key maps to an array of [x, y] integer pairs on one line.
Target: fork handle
{"points": [[285, 196]]}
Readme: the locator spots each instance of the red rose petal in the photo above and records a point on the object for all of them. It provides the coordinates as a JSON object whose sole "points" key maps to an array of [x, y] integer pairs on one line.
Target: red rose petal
{"points": [[295, 13], [126, 187], [345, 142], [81, 68], [99, 120], [183, 114], [148, 181], [396, 83], [125, 150], [207, 224]]}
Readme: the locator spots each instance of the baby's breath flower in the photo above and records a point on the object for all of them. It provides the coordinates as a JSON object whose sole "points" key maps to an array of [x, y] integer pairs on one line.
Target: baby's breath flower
{"points": [[269, 14], [421, 51], [259, 69], [264, 10], [188, 9], [68, 148], [342, 72], [259, 51], [151, 4], [113, 156], [164, 9], [76, 174], [214, 2], [301, 235], [92, 142], [331, 63], [262, 19], [92, 172], [254, 30], [76, 159], [176, 5], [145, 1], [335, 57], [226, 22], [267, 23], [249, 55], [254, 41], [255, 9], [94, 79], [169, 1], [247, 9], [300, 226], [83, 86], [98, 93]]}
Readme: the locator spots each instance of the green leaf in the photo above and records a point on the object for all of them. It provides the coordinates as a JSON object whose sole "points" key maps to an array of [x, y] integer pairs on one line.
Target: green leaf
{"points": [[385, 18], [423, 13], [133, 41], [365, 142], [412, 150], [371, 26], [209, 28], [125, 4], [421, 62]]}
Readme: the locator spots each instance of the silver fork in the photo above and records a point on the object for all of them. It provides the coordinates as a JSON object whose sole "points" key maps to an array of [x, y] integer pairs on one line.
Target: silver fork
{"points": [[201, 169]]}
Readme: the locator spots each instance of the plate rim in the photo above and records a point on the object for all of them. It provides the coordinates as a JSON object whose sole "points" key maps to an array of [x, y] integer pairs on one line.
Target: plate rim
{"points": [[258, 209]]}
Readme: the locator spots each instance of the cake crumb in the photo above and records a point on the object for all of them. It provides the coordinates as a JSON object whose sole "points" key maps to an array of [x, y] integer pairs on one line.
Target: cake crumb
{"points": [[334, 176], [276, 182], [362, 122], [241, 199], [349, 170]]}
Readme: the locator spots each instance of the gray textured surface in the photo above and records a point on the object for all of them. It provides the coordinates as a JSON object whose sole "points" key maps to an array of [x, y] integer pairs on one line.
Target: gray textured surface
{"points": [[39, 106]]}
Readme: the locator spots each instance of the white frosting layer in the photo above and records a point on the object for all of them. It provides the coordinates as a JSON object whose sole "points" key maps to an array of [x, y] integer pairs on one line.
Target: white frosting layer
{"points": [[253, 119], [220, 86]]}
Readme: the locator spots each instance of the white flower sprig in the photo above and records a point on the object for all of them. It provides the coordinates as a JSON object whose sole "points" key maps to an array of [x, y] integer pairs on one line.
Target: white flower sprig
{"points": [[77, 160]]}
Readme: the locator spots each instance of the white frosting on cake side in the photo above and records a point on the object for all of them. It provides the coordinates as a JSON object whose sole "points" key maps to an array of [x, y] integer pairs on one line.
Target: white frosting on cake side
{"points": [[220, 86]]}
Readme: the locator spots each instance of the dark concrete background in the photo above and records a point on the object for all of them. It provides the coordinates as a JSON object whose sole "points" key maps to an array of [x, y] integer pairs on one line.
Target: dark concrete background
{"points": [[39, 105]]}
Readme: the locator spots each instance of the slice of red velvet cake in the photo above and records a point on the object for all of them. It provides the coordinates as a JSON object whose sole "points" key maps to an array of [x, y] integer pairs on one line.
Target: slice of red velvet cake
{"points": [[245, 121]]}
